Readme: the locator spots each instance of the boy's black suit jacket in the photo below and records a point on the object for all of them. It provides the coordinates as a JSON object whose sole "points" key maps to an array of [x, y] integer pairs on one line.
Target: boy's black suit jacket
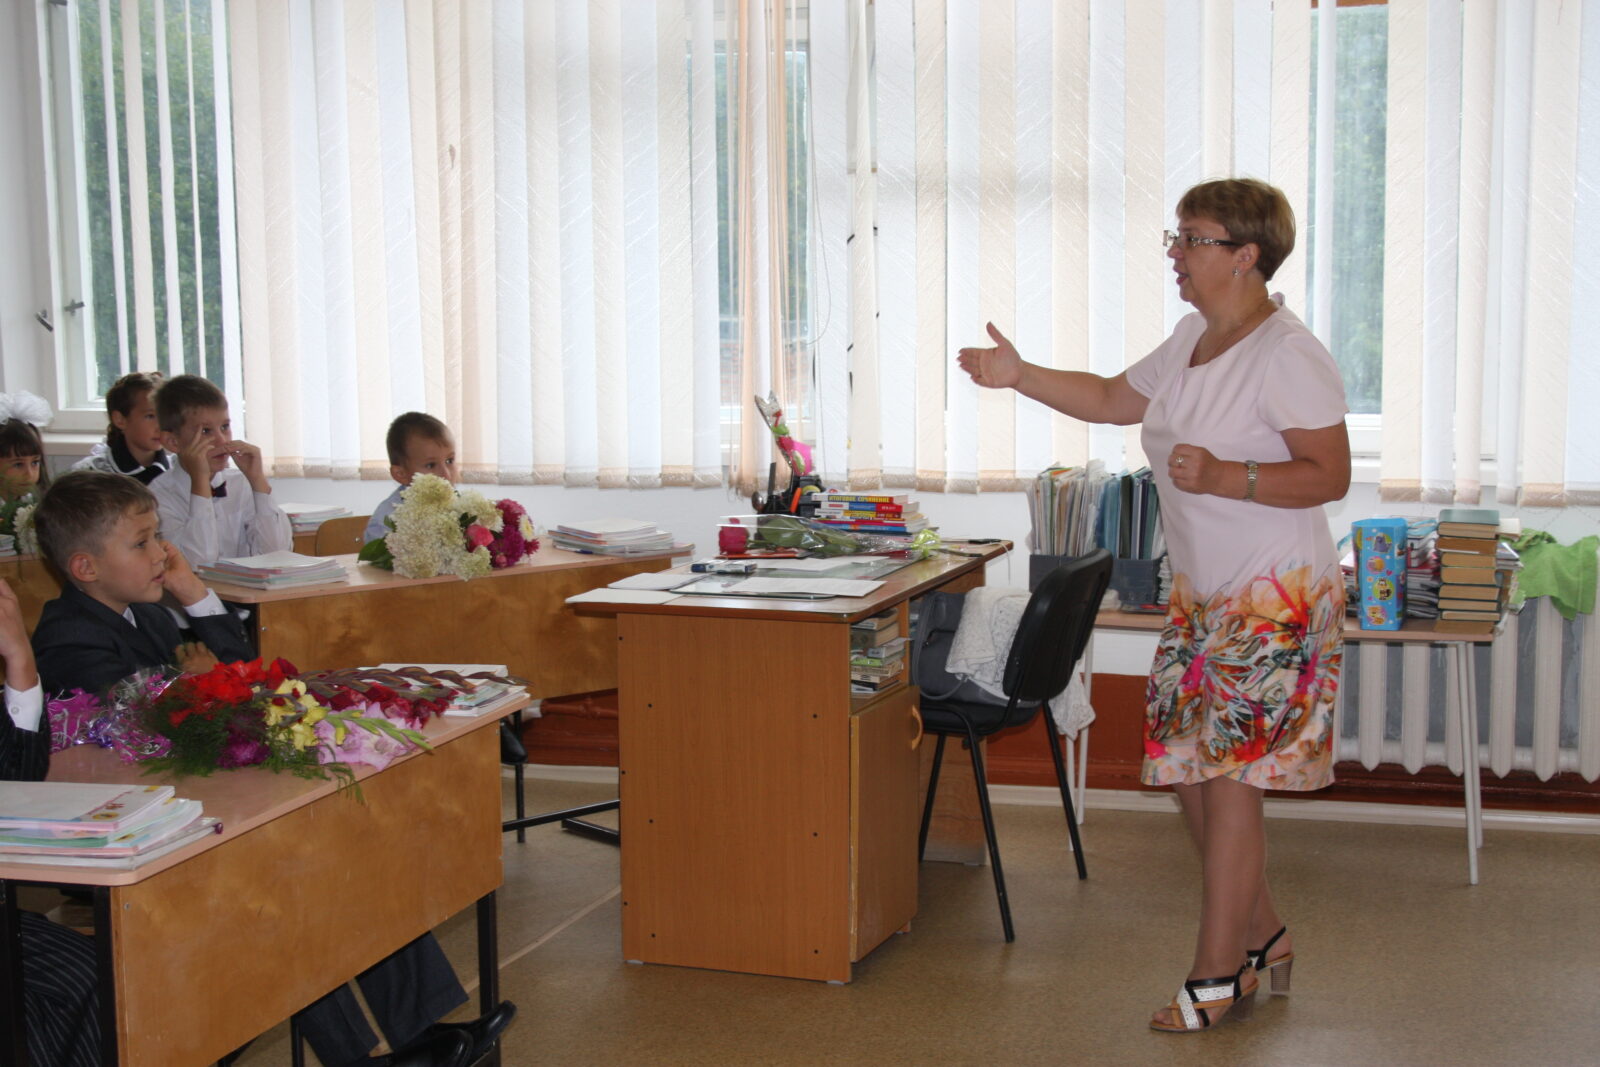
{"points": [[82, 644]]}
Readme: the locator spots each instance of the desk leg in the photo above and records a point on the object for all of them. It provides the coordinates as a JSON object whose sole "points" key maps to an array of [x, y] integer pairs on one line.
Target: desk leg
{"points": [[489, 963], [14, 1029], [107, 975], [1467, 711]]}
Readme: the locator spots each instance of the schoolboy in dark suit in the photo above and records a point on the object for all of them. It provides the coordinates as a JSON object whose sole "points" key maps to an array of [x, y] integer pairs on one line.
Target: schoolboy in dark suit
{"points": [[101, 534], [58, 965], [99, 530]]}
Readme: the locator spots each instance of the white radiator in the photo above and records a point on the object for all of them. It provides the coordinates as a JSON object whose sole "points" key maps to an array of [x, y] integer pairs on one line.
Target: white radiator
{"points": [[1538, 700]]}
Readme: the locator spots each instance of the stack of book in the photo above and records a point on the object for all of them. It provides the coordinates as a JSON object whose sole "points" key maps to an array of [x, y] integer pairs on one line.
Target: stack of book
{"points": [[877, 652], [93, 825], [614, 537], [307, 517], [1471, 592], [275, 570], [8, 545], [885, 513]]}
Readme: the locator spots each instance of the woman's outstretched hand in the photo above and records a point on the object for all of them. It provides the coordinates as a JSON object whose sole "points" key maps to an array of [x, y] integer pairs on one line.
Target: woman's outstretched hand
{"points": [[993, 368]]}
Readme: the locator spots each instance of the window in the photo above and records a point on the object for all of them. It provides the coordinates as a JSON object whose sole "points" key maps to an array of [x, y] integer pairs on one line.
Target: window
{"points": [[143, 178], [798, 326], [1355, 180]]}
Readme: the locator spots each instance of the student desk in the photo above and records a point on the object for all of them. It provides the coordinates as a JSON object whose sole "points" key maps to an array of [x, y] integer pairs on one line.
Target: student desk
{"points": [[515, 616], [769, 816], [1461, 732], [208, 946]]}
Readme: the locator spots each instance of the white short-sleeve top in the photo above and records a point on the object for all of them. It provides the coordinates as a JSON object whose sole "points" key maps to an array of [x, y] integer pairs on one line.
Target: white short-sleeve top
{"points": [[1279, 377]]}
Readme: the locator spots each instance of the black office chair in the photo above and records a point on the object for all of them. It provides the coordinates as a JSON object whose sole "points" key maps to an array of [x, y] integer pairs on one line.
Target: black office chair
{"points": [[513, 751], [1050, 639]]}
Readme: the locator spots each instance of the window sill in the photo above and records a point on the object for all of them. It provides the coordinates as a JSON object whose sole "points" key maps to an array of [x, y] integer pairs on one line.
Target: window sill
{"points": [[68, 444]]}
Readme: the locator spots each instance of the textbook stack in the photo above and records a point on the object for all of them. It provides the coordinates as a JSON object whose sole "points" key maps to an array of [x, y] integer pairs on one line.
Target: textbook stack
{"points": [[877, 652], [92, 825], [275, 570], [307, 517], [614, 537], [882, 513], [1472, 594]]}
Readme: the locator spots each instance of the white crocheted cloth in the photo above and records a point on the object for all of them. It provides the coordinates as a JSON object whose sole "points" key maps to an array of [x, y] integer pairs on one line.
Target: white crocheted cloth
{"points": [[983, 640]]}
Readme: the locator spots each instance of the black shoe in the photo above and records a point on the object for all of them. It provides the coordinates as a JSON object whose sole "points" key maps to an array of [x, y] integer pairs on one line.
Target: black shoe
{"points": [[482, 1031], [441, 1049]]}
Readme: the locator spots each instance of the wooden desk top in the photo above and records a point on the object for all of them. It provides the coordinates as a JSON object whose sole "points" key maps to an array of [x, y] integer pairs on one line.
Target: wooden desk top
{"points": [[367, 578], [243, 799], [1412, 631], [907, 582]]}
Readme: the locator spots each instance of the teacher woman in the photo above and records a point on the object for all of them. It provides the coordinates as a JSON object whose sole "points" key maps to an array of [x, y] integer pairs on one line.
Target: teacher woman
{"points": [[1243, 412]]}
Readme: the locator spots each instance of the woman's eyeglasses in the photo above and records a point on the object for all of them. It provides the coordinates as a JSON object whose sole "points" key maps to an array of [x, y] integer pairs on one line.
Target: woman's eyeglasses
{"points": [[1189, 240]]}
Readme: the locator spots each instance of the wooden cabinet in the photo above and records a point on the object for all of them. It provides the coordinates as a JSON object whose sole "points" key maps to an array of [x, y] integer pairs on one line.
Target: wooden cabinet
{"points": [[769, 818]]}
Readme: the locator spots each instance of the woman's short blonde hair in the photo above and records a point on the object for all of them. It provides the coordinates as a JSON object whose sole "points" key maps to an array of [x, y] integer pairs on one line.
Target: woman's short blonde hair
{"points": [[1252, 212]]}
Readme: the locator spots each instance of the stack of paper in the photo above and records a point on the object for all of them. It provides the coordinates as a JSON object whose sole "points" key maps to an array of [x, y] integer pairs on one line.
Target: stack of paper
{"points": [[82, 824], [8, 545], [614, 537], [307, 517], [275, 570]]}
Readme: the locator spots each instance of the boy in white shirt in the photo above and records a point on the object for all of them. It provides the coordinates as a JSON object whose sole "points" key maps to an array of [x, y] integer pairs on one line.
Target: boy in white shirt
{"points": [[417, 444], [208, 510]]}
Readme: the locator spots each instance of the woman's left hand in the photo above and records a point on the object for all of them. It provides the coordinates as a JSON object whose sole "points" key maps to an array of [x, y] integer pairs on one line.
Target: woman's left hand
{"points": [[1194, 469]]}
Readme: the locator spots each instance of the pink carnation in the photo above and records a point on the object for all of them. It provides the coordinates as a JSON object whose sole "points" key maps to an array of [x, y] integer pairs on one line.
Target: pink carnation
{"points": [[509, 548], [479, 536]]}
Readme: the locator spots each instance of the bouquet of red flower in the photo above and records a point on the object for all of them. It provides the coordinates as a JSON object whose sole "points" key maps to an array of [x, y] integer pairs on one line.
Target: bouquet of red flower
{"points": [[245, 714], [515, 539]]}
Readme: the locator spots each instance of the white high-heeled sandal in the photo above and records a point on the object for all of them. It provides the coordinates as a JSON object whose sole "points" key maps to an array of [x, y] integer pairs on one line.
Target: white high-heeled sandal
{"points": [[1204, 1002], [1280, 967]]}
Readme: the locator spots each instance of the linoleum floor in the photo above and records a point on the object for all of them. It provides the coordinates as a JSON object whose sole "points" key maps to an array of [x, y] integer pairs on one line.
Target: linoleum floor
{"points": [[1399, 961]]}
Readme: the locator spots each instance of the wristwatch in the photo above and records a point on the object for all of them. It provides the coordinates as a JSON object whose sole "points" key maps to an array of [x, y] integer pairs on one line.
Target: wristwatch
{"points": [[1250, 468]]}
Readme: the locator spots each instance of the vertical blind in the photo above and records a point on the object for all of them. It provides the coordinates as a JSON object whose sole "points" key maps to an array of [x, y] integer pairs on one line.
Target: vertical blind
{"points": [[1493, 172], [504, 213], [528, 217], [143, 168]]}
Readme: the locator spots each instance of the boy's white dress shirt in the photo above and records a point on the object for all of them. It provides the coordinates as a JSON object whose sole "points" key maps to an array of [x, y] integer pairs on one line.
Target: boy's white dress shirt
{"points": [[206, 529], [375, 527]]}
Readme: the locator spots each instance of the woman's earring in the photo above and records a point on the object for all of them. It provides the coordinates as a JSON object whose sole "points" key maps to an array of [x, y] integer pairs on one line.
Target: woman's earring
{"points": [[1236, 272]]}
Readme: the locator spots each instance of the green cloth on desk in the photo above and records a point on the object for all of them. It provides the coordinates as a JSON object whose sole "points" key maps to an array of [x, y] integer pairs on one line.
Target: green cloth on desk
{"points": [[1564, 573]]}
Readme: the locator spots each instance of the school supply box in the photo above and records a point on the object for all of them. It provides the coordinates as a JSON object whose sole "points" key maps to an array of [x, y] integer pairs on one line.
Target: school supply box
{"points": [[1380, 551]]}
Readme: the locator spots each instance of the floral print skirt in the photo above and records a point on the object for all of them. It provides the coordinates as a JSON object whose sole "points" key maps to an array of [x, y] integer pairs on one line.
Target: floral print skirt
{"points": [[1244, 682]]}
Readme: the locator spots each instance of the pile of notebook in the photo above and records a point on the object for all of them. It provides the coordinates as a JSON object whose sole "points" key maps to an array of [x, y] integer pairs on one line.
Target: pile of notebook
{"points": [[275, 570], [882, 513], [94, 825], [614, 537], [307, 517], [877, 652]]}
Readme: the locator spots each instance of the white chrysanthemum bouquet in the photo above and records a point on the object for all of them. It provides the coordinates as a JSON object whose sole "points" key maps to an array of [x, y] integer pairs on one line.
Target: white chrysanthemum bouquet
{"points": [[438, 529]]}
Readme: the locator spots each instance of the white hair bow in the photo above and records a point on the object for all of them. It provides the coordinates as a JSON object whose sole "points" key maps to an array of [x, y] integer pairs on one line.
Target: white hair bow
{"points": [[29, 407]]}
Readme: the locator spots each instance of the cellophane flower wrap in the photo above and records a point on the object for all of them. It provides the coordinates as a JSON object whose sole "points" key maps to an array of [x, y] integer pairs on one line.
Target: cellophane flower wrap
{"points": [[315, 725], [439, 529]]}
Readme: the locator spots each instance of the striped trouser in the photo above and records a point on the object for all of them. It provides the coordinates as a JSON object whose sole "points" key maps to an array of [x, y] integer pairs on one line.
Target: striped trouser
{"points": [[58, 982]]}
